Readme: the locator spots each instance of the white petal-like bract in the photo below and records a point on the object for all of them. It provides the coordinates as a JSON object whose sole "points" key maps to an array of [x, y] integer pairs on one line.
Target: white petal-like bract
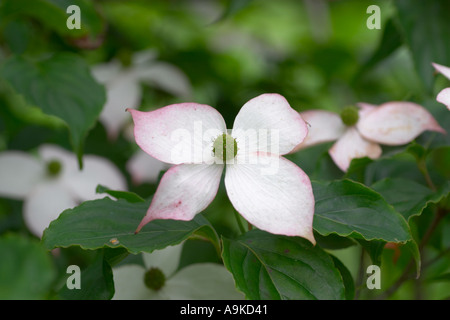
{"points": [[20, 172], [184, 191], [397, 123], [179, 133], [351, 146], [268, 124], [275, 195]]}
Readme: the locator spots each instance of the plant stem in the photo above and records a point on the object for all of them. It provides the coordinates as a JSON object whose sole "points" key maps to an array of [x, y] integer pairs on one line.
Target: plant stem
{"points": [[360, 279], [406, 275], [424, 170], [435, 259], [440, 214]]}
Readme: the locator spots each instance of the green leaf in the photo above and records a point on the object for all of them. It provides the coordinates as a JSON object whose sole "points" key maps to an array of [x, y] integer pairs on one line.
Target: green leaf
{"points": [[399, 161], [17, 35], [391, 40], [425, 27], [115, 255], [443, 277], [96, 283], [267, 266], [417, 151], [26, 270], [197, 251], [126, 195], [107, 223], [48, 14], [52, 14], [440, 158], [357, 169], [19, 107], [408, 197], [91, 21], [232, 7], [401, 164], [347, 278], [374, 248], [333, 241], [75, 97], [413, 248], [351, 209]]}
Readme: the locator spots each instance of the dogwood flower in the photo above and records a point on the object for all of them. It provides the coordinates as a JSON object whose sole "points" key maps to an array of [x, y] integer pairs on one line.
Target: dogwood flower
{"points": [[269, 191], [359, 132], [52, 182], [159, 279], [443, 96], [123, 85]]}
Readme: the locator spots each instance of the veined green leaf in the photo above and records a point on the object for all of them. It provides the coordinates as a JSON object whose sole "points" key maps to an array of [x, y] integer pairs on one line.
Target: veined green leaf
{"points": [[26, 270], [419, 20], [118, 194], [348, 208], [53, 15], [96, 282], [107, 223], [62, 87], [409, 197], [268, 266]]}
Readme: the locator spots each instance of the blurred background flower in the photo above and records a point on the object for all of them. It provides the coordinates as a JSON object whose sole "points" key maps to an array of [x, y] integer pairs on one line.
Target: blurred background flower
{"points": [[443, 96], [360, 131], [160, 278], [123, 85], [51, 182]]}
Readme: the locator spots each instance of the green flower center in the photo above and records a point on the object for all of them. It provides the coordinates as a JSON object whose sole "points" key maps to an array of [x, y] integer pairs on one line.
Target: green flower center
{"points": [[125, 57], [350, 115], [225, 147], [54, 168], [154, 279]]}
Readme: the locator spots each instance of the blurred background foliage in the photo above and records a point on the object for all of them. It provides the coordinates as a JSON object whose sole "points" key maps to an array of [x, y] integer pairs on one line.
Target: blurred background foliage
{"points": [[318, 54]]}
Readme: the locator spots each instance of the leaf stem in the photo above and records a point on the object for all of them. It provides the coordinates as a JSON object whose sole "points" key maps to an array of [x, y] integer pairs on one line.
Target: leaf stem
{"points": [[424, 170]]}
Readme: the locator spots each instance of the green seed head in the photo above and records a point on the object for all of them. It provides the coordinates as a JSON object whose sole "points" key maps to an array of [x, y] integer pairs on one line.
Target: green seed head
{"points": [[54, 168], [125, 57], [350, 116], [225, 147], [154, 279]]}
